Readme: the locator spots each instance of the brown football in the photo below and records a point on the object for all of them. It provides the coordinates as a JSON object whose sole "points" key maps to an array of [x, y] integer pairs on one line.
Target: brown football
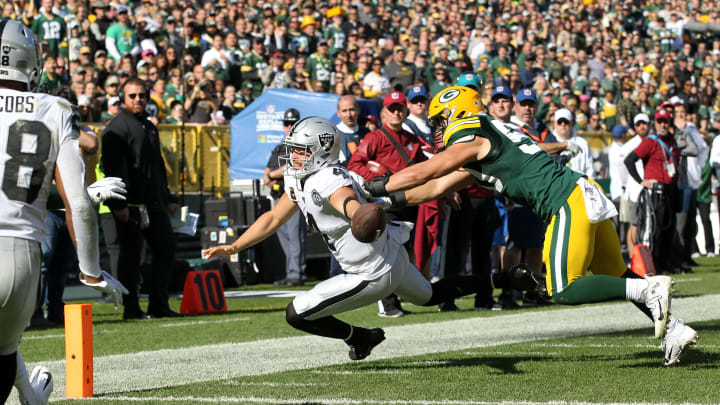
{"points": [[368, 223]]}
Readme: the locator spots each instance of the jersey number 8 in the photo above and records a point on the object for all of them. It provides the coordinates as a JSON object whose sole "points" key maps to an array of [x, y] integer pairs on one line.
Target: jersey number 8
{"points": [[25, 171]]}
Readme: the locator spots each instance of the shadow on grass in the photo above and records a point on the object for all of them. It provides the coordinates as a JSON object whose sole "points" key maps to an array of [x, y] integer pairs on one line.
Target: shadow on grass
{"points": [[501, 364]]}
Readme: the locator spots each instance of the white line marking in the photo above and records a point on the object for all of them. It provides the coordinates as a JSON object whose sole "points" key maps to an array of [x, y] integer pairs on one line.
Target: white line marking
{"points": [[270, 384], [172, 367], [342, 401], [685, 280], [349, 372], [193, 323]]}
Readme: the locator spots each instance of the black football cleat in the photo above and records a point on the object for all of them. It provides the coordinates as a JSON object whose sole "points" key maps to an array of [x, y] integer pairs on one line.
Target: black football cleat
{"points": [[359, 352]]}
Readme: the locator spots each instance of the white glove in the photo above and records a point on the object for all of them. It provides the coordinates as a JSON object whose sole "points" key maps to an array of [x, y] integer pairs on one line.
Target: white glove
{"points": [[106, 189], [572, 149], [109, 286]]}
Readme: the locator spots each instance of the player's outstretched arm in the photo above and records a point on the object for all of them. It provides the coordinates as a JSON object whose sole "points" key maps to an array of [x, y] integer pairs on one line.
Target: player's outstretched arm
{"points": [[82, 221], [438, 188], [445, 162], [263, 227]]}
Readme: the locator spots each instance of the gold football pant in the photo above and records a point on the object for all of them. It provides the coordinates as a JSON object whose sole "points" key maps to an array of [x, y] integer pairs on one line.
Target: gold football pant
{"points": [[572, 246]]}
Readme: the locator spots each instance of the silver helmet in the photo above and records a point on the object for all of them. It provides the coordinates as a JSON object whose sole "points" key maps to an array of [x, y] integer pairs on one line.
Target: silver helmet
{"points": [[311, 144], [20, 58]]}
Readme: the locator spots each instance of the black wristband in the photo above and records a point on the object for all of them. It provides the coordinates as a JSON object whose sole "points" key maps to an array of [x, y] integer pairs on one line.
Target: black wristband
{"points": [[345, 203], [398, 199]]}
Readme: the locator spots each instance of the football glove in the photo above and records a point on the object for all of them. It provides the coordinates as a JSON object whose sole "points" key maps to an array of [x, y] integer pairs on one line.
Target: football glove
{"points": [[572, 149], [109, 286], [106, 189], [376, 186]]}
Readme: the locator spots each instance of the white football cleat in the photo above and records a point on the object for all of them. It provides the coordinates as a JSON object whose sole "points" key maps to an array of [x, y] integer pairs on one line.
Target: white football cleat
{"points": [[657, 298], [42, 383], [678, 337]]}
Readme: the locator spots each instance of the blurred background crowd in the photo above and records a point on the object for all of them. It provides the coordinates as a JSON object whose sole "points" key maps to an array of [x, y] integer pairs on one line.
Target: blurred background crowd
{"points": [[205, 61]]}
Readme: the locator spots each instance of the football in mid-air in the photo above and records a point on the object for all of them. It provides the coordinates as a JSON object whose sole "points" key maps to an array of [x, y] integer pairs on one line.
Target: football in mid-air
{"points": [[368, 223]]}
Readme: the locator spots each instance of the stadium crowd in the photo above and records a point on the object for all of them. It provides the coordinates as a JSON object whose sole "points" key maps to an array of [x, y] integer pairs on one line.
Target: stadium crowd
{"points": [[603, 60]]}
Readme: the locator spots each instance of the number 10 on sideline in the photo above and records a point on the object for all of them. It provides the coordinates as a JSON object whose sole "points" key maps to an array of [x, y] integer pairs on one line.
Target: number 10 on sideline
{"points": [[203, 293]]}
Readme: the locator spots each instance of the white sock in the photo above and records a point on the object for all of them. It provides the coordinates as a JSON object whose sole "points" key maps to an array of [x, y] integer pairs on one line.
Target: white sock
{"points": [[22, 380], [635, 289]]}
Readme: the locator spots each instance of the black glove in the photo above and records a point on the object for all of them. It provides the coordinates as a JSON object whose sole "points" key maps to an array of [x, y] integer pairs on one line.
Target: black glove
{"points": [[376, 186]]}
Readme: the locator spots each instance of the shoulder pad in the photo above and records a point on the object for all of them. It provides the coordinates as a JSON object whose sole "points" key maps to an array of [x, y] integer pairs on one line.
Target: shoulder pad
{"points": [[462, 130]]}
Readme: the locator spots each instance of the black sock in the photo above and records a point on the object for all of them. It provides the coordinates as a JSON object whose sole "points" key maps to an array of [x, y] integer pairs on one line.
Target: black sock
{"points": [[450, 288], [328, 326], [641, 306], [8, 365]]}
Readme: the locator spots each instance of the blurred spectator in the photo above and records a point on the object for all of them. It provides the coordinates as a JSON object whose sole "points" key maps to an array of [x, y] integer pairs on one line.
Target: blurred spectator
{"points": [[400, 73], [113, 107], [176, 112], [416, 121], [581, 162], [375, 83], [121, 39], [49, 28]]}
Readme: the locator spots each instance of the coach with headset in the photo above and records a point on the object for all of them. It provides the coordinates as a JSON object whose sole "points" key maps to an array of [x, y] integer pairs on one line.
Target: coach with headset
{"points": [[131, 151]]}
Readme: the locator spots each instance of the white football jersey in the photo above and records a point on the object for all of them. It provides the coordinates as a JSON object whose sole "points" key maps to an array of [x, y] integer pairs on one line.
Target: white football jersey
{"points": [[370, 260], [33, 126]]}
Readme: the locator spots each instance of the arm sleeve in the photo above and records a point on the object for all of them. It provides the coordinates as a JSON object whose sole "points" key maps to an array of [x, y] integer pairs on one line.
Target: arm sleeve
{"points": [[71, 169], [114, 159], [630, 160], [111, 48]]}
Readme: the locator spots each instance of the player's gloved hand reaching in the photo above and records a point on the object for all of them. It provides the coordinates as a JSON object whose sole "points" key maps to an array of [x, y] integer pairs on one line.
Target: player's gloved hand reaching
{"points": [[571, 150], [106, 189], [376, 186], [108, 285]]}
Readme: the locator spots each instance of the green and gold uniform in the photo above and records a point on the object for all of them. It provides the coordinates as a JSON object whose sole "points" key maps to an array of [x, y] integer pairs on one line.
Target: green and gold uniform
{"points": [[518, 168]]}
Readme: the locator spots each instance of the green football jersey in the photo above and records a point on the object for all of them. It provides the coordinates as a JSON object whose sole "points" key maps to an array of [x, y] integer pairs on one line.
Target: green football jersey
{"points": [[52, 30], [125, 38], [515, 165]]}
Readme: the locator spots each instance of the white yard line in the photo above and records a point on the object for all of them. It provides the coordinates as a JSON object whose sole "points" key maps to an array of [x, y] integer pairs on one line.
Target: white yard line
{"points": [[193, 323], [343, 401], [173, 367]]}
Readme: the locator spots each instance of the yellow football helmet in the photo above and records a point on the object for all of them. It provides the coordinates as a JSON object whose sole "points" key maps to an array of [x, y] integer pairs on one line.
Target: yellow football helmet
{"points": [[453, 103]]}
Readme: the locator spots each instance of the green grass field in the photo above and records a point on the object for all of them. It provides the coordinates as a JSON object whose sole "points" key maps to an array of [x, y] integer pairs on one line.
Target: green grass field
{"points": [[595, 354]]}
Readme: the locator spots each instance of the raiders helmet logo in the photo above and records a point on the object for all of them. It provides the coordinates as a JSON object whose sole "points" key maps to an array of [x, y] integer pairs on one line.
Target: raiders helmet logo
{"points": [[317, 200], [326, 141]]}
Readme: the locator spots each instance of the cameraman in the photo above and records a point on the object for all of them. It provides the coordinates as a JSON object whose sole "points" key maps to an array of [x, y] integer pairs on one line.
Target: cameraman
{"points": [[660, 155], [292, 233]]}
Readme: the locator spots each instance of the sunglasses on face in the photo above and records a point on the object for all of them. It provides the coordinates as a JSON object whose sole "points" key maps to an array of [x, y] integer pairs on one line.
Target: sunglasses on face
{"points": [[140, 96], [563, 122]]}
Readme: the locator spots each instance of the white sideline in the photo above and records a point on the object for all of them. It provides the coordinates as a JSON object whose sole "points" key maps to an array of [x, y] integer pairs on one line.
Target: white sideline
{"points": [[165, 368], [343, 401]]}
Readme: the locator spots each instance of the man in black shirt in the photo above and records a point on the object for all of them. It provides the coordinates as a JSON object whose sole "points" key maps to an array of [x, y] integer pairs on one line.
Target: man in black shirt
{"points": [[131, 151]]}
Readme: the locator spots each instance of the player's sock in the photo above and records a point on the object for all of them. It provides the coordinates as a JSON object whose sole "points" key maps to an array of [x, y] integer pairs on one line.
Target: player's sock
{"points": [[328, 326], [22, 379], [596, 288], [7, 375], [639, 304], [455, 287]]}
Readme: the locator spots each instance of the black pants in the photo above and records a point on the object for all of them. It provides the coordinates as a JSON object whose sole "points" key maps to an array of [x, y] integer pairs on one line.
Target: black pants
{"points": [[664, 198], [161, 239], [686, 225], [476, 220], [112, 245]]}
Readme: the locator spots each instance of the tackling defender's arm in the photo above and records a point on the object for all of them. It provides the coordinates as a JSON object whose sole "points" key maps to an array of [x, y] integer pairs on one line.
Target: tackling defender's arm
{"points": [[262, 228], [443, 163]]}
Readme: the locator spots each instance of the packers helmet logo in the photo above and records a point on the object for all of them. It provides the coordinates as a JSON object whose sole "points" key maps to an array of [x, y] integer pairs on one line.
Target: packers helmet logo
{"points": [[449, 95]]}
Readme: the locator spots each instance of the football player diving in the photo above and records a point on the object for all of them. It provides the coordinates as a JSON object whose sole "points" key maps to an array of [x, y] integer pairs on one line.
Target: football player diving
{"points": [[328, 196], [579, 235], [38, 142]]}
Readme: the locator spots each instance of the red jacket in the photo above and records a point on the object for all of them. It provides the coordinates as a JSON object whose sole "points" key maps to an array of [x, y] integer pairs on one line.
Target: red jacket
{"points": [[376, 146]]}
